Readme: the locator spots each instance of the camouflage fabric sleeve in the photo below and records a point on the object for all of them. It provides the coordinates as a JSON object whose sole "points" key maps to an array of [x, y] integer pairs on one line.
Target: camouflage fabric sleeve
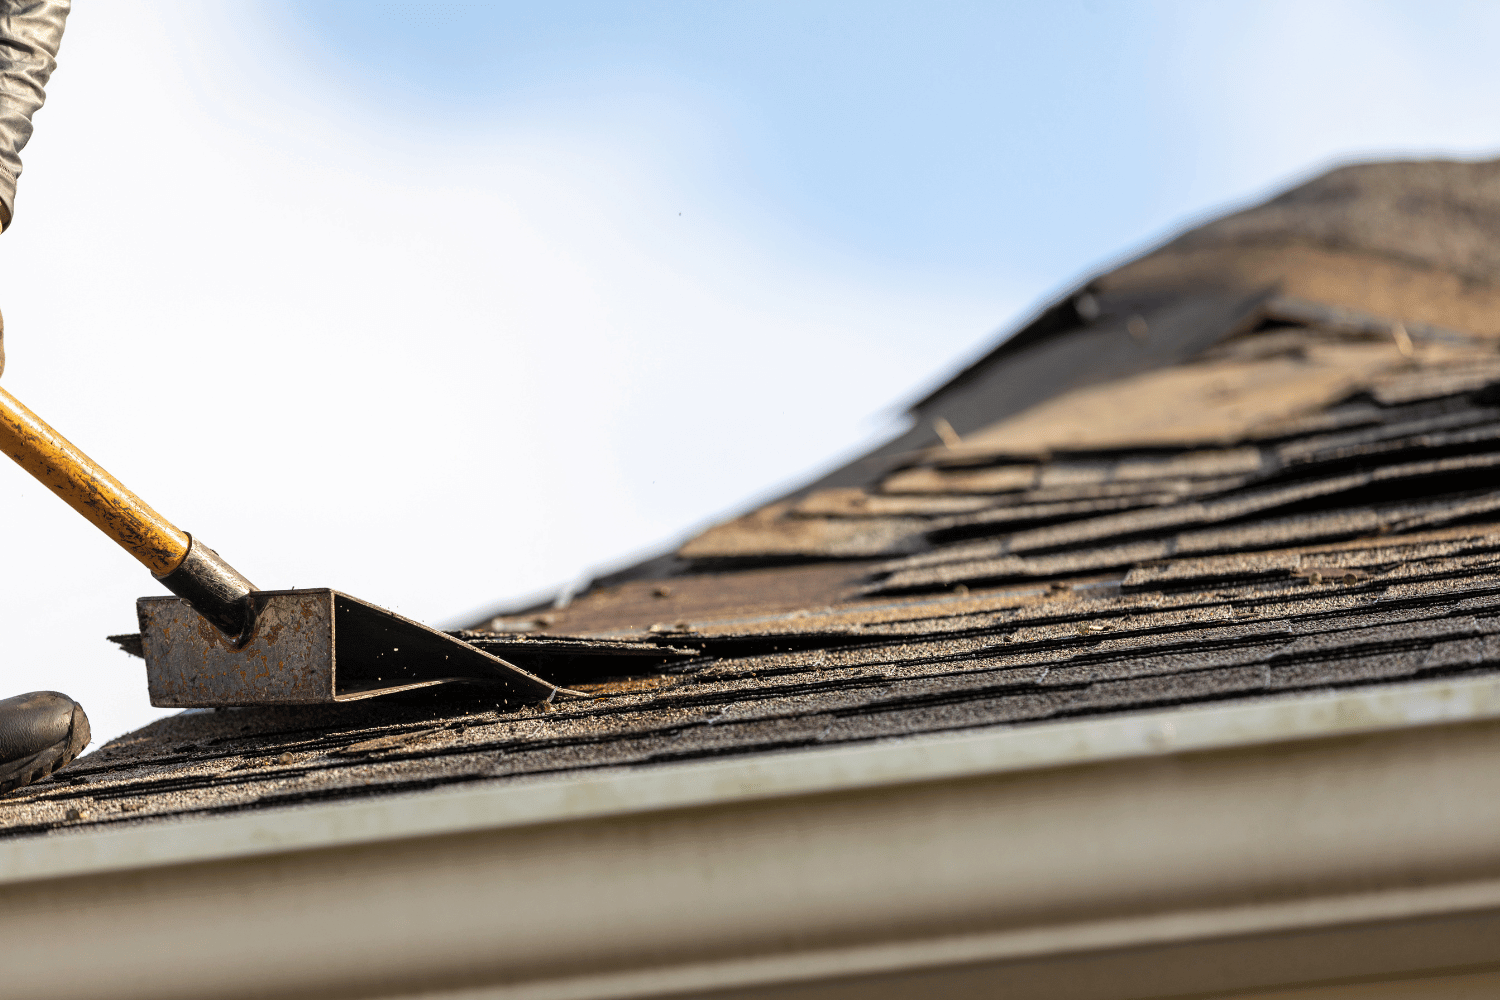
{"points": [[30, 32]]}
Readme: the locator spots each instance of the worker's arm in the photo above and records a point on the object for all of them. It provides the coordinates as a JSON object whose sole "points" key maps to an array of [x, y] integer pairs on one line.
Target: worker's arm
{"points": [[30, 32]]}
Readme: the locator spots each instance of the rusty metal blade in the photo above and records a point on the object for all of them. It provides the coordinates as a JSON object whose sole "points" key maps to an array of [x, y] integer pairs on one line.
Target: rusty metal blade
{"points": [[311, 647]]}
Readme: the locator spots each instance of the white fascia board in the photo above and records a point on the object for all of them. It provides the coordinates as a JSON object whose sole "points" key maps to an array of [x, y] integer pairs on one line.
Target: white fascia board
{"points": [[511, 803]]}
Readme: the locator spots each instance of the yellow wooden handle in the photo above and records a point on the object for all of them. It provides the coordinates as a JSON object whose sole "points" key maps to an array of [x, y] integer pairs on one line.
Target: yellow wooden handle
{"points": [[88, 489]]}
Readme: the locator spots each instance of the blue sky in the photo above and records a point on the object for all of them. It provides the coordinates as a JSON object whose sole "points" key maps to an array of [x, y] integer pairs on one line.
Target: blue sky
{"points": [[942, 137], [487, 296], [952, 140]]}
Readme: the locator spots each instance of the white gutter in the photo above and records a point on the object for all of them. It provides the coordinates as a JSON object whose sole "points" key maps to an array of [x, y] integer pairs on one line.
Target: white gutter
{"points": [[1368, 812]]}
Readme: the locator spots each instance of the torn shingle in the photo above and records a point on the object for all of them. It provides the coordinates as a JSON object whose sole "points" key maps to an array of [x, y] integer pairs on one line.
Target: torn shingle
{"points": [[1257, 461]]}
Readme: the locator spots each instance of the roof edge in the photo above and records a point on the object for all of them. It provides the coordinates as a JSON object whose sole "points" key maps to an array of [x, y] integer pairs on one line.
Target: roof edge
{"points": [[636, 791], [966, 866]]}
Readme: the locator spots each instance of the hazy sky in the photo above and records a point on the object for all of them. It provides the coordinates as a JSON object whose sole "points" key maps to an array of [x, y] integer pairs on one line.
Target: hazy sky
{"points": [[443, 303]]}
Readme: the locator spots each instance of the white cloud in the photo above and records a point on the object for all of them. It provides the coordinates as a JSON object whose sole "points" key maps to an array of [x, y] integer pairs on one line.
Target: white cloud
{"points": [[1273, 90], [431, 369]]}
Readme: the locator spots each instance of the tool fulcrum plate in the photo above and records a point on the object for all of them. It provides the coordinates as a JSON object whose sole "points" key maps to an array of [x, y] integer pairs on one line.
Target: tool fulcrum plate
{"points": [[311, 647]]}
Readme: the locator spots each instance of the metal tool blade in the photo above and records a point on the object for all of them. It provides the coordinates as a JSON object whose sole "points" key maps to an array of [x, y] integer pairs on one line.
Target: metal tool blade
{"points": [[309, 647]]}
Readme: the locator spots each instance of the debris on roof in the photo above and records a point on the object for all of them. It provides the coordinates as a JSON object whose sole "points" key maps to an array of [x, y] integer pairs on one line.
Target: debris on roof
{"points": [[1259, 460]]}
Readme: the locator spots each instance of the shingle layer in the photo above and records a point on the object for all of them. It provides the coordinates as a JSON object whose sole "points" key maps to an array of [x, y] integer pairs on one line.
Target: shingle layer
{"points": [[1154, 495]]}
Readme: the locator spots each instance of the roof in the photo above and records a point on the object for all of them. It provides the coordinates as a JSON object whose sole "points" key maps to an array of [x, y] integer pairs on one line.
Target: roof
{"points": [[1254, 463], [1342, 839]]}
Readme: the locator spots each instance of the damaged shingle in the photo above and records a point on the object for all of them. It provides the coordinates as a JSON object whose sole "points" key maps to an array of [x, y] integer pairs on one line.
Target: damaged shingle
{"points": [[1258, 461]]}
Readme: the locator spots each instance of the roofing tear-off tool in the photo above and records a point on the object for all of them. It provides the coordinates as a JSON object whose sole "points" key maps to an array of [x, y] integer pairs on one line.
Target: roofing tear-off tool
{"points": [[221, 641]]}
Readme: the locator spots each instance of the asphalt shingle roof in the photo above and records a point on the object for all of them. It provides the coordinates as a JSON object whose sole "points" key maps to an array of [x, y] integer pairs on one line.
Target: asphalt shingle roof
{"points": [[1259, 460]]}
